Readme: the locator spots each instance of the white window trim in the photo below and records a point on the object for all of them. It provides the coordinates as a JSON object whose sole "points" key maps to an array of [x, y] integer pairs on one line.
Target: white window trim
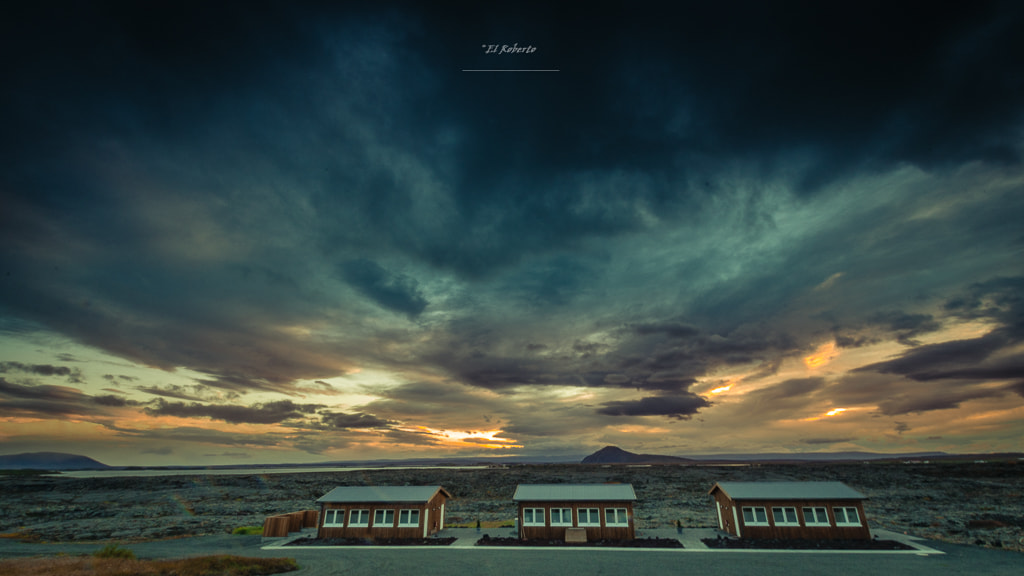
{"points": [[386, 512], [617, 513], [783, 521], [357, 514], [334, 513], [813, 521], [579, 517], [534, 522], [845, 510], [565, 513], [754, 522], [409, 512]]}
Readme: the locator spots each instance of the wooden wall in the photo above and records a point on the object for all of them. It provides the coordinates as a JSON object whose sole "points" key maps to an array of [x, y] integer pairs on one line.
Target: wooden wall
{"points": [[602, 532], [430, 512], [831, 532], [282, 524]]}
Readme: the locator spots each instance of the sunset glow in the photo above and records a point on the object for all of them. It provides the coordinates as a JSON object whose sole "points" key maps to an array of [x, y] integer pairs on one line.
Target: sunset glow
{"points": [[822, 356]]}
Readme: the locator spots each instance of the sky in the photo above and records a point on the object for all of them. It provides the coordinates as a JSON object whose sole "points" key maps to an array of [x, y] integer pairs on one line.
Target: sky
{"points": [[260, 232]]}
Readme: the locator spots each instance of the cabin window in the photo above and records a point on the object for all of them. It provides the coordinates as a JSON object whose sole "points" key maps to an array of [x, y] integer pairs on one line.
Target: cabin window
{"points": [[408, 518], [359, 518], [615, 517], [533, 516], [784, 516], [815, 517], [383, 518], [589, 516], [846, 516], [334, 518], [755, 516], [561, 516]]}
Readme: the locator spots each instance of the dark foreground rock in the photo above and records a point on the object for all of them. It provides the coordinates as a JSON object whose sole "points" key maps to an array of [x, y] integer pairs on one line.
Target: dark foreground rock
{"points": [[372, 542], [794, 544], [486, 540]]}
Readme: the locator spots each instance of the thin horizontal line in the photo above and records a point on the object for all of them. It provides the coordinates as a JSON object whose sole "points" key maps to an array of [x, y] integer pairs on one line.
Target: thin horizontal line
{"points": [[514, 70]]}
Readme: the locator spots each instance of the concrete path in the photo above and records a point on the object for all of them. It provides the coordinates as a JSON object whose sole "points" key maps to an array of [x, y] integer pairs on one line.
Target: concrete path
{"points": [[690, 538]]}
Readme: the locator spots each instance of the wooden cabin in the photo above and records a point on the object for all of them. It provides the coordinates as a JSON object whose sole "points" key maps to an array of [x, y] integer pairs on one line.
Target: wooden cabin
{"points": [[382, 511], [804, 510], [575, 512]]}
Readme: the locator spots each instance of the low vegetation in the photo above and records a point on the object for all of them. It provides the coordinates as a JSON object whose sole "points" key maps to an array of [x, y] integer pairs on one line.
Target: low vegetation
{"points": [[113, 551], [248, 531], [199, 566]]}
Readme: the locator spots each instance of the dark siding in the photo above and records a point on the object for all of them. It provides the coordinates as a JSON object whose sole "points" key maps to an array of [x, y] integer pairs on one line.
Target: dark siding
{"points": [[602, 532], [831, 532]]}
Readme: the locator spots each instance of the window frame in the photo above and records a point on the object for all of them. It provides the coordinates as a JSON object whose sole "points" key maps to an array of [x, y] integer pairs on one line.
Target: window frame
{"points": [[753, 513], [409, 512], [814, 521], [359, 518], [616, 513], [784, 521], [333, 513], [533, 517], [386, 513], [845, 511], [590, 512], [562, 513]]}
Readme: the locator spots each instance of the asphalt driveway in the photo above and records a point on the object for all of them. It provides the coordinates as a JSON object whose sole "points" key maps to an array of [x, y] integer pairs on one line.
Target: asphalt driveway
{"points": [[957, 560]]}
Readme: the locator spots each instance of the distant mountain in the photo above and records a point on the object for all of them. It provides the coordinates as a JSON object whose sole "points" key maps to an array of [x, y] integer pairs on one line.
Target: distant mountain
{"points": [[48, 461], [616, 455]]}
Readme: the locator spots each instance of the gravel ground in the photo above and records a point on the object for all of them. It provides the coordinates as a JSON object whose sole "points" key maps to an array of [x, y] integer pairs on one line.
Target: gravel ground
{"points": [[973, 504]]}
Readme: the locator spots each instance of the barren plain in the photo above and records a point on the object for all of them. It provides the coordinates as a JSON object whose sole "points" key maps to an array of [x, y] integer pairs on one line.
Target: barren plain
{"points": [[966, 503]]}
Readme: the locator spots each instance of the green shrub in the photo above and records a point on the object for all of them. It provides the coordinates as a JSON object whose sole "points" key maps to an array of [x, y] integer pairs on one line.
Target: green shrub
{"points": [[248, 531], [112, 551]]}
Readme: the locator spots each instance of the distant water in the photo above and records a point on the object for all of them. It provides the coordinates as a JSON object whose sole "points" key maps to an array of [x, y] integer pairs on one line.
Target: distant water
{"points": [[240, 471]]}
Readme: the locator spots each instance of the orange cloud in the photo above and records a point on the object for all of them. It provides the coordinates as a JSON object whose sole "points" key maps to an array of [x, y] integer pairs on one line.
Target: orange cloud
{"points": [[822, 356]]}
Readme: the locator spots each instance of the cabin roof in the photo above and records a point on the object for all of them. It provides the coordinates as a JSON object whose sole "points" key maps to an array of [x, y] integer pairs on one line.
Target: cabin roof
{"points": [[579, 492], [787, 491], [360, 494]]}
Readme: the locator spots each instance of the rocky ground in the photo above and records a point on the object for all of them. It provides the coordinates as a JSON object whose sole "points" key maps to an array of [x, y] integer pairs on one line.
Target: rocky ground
{"points": [[966, 503]]}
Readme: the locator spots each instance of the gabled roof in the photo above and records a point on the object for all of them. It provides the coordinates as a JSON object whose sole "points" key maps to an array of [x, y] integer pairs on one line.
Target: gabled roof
{"points": [[566, 492], [787, 491], [359, 494]]}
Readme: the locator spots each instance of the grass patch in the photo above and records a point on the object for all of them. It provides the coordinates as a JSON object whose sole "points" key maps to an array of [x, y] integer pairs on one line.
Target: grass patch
{"points": [[248, 531], [199, 566], [113, 551]]}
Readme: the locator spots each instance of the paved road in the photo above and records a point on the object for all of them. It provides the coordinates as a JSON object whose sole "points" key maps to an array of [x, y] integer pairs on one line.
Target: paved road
{"points": [[426, 561]]}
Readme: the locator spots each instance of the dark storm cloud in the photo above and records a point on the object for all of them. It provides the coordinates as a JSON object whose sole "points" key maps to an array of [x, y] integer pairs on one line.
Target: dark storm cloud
{"points": [[194, 186], [114, 401], [46, 401], [907, 326], [680, 407], [38, 369], [266, 413], [816, 441], [954, 359], [396, 292], [200, 435], [896, 395], [178, 391], [933, 399], [343, 420]]}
